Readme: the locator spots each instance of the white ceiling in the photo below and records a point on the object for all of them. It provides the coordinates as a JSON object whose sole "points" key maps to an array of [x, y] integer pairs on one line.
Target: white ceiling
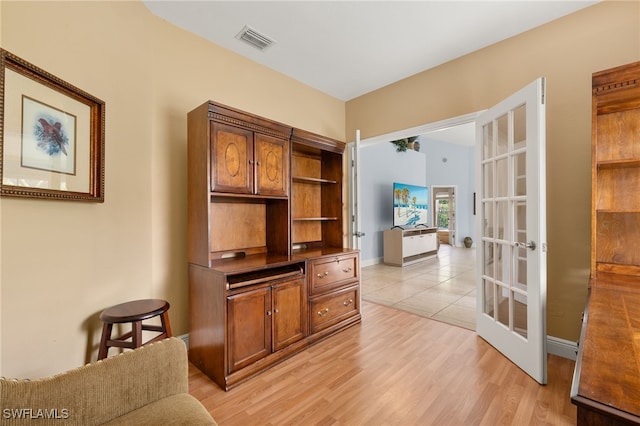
{"points": [[349, 48]]}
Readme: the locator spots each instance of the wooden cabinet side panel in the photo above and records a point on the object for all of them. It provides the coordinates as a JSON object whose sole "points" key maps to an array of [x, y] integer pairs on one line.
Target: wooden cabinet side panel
{"points": [[207, 318], [198, 191], [277, 227]]}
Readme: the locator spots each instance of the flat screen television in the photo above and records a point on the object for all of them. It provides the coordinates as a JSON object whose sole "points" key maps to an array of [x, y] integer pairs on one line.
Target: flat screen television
{"points": [[410, 205]]}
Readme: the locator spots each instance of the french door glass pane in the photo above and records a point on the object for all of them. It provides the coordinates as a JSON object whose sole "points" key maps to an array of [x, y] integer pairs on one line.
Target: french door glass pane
{"points": [[503, 305], [487, 219], [520, 174], [501, 220], [520, 222], [487, 179], [488, 297], [521, 269], [502, 262], [520, 127], [520, 325], [503, 134], [487, 141], [502, 182], [487, 265]]}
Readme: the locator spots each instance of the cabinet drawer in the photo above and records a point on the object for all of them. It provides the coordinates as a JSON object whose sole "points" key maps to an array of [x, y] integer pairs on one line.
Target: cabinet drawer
{"points": [[332, 308], [332, 272]]}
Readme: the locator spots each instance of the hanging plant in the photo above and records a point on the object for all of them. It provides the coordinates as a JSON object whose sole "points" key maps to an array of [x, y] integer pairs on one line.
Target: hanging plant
{"points": [[403, 144]]}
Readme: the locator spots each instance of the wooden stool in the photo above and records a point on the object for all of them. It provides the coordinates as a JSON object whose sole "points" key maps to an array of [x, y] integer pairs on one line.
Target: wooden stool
{"points": [[134, 312]]}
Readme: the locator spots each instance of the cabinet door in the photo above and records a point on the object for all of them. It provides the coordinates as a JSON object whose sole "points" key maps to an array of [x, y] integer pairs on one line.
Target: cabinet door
{"points": [[249, 327], [231, 159], [272, 165], [413, 245], [288, 313]]}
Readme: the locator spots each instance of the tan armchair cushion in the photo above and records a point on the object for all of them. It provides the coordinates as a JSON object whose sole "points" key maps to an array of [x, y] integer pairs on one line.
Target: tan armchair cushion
{"points": [[104, 390]]}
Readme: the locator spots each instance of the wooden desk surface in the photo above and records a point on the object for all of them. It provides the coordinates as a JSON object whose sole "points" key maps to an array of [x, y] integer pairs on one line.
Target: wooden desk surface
{"points": [[607, 378]]}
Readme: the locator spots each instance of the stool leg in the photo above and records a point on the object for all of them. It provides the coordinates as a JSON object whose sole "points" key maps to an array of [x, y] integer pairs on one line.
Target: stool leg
{"points": [[164, 318], [136, 334], [104, 340]]}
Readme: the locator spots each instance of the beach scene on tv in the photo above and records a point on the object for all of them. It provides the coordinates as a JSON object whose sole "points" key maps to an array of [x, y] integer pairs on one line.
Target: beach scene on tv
{"points": [[410, 205]]}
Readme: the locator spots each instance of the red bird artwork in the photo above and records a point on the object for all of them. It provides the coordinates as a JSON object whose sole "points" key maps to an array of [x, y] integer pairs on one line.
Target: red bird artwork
{"points": [[52, 134]]}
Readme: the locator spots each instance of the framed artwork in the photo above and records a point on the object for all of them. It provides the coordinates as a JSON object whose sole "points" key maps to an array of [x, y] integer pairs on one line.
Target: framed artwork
{"points": [[51, 135]]}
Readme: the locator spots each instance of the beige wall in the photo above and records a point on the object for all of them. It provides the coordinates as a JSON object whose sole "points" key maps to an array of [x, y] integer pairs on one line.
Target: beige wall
{"points": [[566, 52], [63, 262]]}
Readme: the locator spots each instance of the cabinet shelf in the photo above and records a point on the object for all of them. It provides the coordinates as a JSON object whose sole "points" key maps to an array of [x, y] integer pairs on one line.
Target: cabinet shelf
{"points": [[312, 180], [224, 195], [615, 164], [314, 218]]}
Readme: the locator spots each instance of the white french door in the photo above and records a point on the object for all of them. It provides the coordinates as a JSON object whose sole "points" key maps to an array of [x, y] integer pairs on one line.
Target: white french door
{"points": [[355, 220], [511, 254]]}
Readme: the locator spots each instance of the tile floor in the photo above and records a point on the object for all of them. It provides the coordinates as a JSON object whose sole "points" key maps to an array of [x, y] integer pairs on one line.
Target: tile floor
{"points": [[442, 288]]}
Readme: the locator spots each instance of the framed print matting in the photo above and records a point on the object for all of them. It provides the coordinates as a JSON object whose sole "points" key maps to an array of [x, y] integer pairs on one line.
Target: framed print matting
{"points": [[51, 135]]}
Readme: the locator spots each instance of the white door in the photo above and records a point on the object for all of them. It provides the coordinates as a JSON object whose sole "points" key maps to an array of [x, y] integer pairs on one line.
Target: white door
{"points": [[355, 229], [511, 256]]}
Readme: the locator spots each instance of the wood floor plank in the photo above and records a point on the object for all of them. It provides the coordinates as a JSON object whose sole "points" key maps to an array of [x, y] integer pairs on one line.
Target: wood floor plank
{"points": [[395, 368]]}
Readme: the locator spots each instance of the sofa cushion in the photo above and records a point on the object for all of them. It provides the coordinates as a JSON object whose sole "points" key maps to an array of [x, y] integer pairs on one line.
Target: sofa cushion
{"points": [[182, 409]]}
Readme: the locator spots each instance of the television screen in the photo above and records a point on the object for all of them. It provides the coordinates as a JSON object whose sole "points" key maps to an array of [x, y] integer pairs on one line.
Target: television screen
{"points": [[410, 205]]}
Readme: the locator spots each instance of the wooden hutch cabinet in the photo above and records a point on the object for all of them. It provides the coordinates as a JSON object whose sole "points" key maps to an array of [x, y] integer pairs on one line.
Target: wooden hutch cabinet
{"points": [[606, 383], [268, 272]]}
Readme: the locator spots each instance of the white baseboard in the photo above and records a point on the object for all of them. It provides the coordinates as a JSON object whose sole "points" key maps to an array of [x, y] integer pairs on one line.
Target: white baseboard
{"points": [[564, 348], [370, 262]]}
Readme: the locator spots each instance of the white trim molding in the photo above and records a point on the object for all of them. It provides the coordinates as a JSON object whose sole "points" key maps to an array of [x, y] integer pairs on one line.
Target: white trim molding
{"points": [[564, 348]]}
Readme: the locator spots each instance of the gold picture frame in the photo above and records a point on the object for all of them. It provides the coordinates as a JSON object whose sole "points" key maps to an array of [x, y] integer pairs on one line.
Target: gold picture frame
{"points": [[51, 135]]}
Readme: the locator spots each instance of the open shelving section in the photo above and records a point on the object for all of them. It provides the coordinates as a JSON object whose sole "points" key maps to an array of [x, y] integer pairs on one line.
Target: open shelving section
{"points": [[611, 321]]}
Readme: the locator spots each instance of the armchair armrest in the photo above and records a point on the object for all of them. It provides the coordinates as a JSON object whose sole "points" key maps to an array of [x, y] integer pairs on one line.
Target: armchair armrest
{"points": [[100, 391]]}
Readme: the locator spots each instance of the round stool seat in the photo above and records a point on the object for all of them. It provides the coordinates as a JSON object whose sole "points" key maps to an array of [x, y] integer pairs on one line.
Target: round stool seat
{"points": [[133, 312]]}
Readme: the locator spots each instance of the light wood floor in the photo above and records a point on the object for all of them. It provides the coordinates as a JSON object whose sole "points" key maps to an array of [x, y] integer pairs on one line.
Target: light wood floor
{"points": [[395, 368]]}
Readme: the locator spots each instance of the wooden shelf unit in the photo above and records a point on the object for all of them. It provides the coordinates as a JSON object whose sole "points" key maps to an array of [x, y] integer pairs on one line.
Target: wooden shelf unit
{"points": [[606, 383], [253, 184], [316, 193]]}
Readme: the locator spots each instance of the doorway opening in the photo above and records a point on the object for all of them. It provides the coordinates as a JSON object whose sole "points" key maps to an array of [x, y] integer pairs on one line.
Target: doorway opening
{"points": [[444, 213]]}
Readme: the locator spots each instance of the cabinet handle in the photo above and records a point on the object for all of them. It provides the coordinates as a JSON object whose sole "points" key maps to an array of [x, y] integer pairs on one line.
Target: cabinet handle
{"points": [[347, 302], [257, 163], [323, 312], [276, 310], [321, 276], [269, 313], [347, 270], [250, 161]]}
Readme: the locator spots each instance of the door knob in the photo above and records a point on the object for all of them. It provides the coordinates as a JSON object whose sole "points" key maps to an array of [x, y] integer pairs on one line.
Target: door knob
{"points": [[530, 245]]}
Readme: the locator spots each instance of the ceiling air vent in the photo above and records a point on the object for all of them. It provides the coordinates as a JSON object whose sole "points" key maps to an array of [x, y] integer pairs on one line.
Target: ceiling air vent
{"points": [[254, 38]]}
